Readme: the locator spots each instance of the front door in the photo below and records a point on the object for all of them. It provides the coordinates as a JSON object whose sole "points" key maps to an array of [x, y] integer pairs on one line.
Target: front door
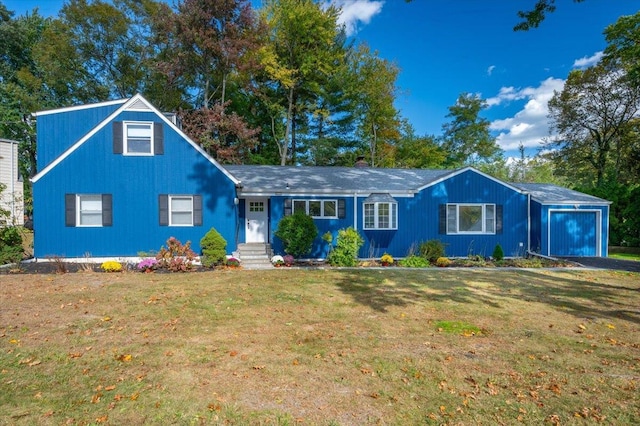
{"points": [[256, 220]]}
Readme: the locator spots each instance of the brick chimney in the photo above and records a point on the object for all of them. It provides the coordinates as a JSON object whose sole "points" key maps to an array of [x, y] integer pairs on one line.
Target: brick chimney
{"points": [[361, 162]]}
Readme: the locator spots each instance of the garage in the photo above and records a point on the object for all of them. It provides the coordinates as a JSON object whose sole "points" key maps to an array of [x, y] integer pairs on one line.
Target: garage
{"points": [[574, 232]]}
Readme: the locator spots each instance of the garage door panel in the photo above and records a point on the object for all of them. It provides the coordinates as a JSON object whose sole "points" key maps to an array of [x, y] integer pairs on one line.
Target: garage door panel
{"points": [[573, 234]]}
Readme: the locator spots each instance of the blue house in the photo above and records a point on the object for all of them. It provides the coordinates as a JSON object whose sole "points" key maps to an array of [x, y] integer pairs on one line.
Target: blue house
{"points": [[119, 178]]}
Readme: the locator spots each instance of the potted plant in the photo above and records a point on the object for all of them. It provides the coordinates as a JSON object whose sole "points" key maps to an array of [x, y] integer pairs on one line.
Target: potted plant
{"points": [[386, 260], [277, 261], [288, 260]]}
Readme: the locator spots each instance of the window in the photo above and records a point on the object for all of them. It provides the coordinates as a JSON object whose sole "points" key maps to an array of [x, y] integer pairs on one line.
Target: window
{"points": [[138, 137], [180, 210], [381, 215], [471, 218], [256, 206], [319, 209], [88, 210]]}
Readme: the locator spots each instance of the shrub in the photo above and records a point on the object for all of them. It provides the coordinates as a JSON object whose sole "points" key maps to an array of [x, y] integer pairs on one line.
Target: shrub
{"points": [[111, 266], [432, 250], [11, 250], [413, 261], [345, 253], [442, 262], [386, 259], [498, 253], [214, 248], [297, 232], [176, 256]]}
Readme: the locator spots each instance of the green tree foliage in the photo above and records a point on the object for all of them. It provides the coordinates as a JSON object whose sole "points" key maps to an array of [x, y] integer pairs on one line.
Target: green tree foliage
{"points": [[498, 253], [466, 138], [417, 152], [592, 115], [623, 39], [214, 248], [297, 232]]}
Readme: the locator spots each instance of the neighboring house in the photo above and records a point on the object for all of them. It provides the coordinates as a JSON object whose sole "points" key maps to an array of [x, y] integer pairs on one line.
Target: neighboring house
{"points": [[12, 196], [120, 178]]}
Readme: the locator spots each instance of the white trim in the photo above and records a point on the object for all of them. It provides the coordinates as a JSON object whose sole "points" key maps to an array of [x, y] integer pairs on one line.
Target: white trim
{"points": [[598, 213], [171, 211], [125, 139], [393, 207], [321, 201], [78, 107], [79, 210], [110, 118]]}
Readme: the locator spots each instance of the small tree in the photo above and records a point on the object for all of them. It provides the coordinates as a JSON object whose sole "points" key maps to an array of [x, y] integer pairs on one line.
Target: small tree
{"points": [[348, 244], [214, 248], [297, 232], [498, 253]]}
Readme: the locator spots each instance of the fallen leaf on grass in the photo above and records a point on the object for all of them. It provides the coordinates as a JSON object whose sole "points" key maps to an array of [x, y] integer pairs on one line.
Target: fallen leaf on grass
{"points": [[258, 367], [124, 357], [110, 388]]}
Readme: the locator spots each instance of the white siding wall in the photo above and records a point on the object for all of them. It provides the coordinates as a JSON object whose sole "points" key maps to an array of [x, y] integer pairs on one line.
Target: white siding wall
{"points": [[12, 196]]}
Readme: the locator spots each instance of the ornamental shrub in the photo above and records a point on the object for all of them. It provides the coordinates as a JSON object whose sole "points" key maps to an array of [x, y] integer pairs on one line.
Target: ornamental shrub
{"points": [[413, 261], [348, 244], [297, 232], [386, 259], [11, 250], [214, 248], [498, 253], [442, 262], [176, 256], [432, 250]]}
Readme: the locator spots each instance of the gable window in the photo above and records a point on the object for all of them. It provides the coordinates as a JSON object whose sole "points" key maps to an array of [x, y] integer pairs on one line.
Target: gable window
{"points": [[138, 138], [381, 215], [319, 209], [180, 210], [88, 210], [471, 219]]}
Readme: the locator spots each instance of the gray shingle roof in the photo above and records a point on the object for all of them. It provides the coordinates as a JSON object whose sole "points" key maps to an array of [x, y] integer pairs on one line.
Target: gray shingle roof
{"points": [[332, 180], [550, 194]]}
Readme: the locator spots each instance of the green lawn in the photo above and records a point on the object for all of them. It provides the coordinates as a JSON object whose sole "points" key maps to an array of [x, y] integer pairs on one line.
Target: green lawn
{"points": [[325, 347], [625, 256]]}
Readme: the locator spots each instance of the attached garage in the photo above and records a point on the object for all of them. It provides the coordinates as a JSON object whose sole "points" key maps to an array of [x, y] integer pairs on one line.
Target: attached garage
{"points": [[574, 233], [564, 222]]}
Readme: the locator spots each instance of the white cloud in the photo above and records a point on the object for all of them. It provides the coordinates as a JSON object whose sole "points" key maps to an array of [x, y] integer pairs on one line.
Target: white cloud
{"points": [[490, 69], [529, 126], [354, 12], [588, 61]]}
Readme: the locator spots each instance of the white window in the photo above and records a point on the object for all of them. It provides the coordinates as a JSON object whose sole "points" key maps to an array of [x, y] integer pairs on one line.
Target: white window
{"points": [[471, 219], [180, 210], [138, 138], [380, 216], [89, 210], [319, 209]]}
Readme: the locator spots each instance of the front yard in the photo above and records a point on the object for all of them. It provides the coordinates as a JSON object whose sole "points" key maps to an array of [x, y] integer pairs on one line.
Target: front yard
{"points": [[327, 347]]}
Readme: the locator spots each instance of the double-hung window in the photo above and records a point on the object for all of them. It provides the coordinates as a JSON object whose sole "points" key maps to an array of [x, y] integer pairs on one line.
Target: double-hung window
{"points": [[380, 215], [138, 138], [180, 210], [471, 218], [319, 209], [88, 210]]}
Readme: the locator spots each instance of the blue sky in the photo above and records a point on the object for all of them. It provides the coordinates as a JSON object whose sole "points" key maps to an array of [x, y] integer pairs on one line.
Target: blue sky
{"points": [[446, 47]]}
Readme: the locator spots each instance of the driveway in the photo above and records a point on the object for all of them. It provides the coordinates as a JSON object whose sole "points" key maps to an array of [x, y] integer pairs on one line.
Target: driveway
{"points": [[606, 263]]}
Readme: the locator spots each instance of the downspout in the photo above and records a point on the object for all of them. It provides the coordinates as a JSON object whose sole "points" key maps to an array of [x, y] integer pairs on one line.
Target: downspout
{"points": [[528, 222], [236, 203], [355, 210], [13, 186]]}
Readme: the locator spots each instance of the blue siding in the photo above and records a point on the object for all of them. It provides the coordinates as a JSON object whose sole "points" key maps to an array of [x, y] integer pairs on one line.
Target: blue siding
{"points": [[538, 238], [57, 132], [135, 183], [418, 219]]}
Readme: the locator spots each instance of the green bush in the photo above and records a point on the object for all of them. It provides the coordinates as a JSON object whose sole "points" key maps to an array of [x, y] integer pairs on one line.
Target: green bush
{"points": [[297, 232], [11, 250], [498, 253], [432, 250], [413, 261], [214, 249], [348, 244]]}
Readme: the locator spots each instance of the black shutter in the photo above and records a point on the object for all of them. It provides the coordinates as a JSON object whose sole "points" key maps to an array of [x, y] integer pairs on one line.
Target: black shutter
{"points": [[158, 138], [197, 210], [117, 137], [287, 207], [342, 209], [70, 209], [442, 219], [163, 202], [499, 218], [107, 210]]}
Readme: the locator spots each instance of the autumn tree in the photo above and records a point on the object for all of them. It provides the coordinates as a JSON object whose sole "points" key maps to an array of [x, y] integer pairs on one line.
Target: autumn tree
{"points": [[466, 138]]}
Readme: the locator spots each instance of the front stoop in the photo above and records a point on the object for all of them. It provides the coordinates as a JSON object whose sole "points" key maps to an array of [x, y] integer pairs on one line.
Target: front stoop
{"points": [[255, 255]]}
